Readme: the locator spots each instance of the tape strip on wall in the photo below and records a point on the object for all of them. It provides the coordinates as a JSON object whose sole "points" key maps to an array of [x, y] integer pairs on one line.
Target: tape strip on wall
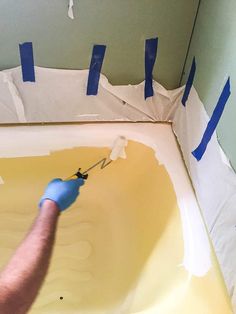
{"points": [[212, 124], [189, 83], [150, 58], [27, 62], [95, 69]]}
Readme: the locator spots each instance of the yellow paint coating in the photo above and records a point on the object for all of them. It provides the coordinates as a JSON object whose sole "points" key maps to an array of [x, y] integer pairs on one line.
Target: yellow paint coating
{"points": [[120, 246]]}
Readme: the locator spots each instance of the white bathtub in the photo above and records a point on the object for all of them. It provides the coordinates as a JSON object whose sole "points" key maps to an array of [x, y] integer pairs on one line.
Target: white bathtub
{"points": [[134, 242]]}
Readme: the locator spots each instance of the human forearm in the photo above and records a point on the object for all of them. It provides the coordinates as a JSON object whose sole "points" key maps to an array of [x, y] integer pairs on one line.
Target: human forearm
{"points": [[24, 274], [22, 278]]}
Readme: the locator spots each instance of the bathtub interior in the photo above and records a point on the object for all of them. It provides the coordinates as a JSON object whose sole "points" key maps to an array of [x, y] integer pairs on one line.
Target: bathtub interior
{"points": [[122, 247]]}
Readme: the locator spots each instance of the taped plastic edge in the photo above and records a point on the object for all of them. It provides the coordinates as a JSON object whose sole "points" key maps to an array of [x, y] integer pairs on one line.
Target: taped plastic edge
{"points": [[150, 58], [27, 62], [95, 69], [189, 83], [212, 124]]}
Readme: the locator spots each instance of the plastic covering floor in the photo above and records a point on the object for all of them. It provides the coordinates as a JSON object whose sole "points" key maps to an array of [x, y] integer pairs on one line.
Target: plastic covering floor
{"points": [[123, 246]]}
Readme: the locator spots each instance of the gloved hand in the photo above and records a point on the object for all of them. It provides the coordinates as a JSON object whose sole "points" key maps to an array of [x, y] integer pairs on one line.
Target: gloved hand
{"points": [[64, 193]]}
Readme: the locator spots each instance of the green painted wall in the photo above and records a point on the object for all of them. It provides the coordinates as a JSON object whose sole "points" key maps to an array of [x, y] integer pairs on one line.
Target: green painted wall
{"points": [[214, 45], [123, 25]]}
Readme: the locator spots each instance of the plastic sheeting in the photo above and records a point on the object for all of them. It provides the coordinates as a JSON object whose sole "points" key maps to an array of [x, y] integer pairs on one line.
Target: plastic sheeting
{"points": [[214, 182], [7, 103], [60, 96]]}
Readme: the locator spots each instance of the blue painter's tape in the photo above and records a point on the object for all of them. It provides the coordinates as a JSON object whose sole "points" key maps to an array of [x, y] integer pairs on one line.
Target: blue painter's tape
{"points": [[212, 124], [95, 69], [150, 58], [189, 83], [27, 62]]}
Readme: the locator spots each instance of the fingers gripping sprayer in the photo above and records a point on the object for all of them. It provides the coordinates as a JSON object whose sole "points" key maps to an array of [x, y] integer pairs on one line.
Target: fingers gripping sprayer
{"points": [[118, 151]]}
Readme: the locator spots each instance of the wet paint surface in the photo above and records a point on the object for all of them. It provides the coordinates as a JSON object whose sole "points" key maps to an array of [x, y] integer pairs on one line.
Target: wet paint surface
{"points": [[119, 247]]}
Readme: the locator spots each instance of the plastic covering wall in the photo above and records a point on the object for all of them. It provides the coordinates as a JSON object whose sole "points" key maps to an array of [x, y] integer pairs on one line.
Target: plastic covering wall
{"points": [[214, 47]]}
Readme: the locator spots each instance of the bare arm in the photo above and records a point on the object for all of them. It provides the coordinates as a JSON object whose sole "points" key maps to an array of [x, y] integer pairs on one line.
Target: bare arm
{"points": [[22, 278]]}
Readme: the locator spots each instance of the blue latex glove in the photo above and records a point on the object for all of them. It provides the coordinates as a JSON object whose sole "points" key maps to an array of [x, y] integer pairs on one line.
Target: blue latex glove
{"points": [[64, 193]]}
